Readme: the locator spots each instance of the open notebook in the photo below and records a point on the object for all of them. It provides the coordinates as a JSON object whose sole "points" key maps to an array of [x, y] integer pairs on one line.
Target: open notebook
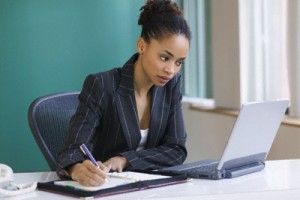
{"points": [[114, 179], [117, 183], [248, 145]]}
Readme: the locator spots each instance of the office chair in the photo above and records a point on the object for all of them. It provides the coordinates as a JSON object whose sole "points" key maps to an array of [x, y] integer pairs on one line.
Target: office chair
{"points": [[48, 118]]}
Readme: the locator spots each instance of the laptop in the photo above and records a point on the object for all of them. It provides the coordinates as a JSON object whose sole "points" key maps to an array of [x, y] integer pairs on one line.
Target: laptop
{"points": [[248, 145]]}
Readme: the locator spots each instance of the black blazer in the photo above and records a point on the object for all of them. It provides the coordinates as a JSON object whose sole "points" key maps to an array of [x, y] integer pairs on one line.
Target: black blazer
{"points": [[106, 120]]}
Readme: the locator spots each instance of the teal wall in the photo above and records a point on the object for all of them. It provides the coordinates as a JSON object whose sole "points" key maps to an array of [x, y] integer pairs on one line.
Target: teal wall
{"points": [[49, 46]]}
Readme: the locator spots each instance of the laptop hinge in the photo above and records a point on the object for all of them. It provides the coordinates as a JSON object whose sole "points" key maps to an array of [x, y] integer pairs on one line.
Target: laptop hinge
{"points": [[247, 169]]}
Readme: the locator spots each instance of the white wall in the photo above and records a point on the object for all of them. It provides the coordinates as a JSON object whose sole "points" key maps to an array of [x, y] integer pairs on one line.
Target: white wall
{"points": [[208, 133]]}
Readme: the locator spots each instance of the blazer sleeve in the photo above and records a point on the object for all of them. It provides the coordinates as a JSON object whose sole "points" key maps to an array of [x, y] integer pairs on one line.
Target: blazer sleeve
{"points": [[83, 122], [171, 148]]}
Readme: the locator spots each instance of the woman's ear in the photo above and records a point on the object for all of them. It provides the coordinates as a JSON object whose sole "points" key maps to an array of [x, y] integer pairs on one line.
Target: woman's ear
{"points": [[141, 45]]}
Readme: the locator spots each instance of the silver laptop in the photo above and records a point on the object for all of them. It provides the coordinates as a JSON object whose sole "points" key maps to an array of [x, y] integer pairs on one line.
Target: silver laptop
{"points": [[249, 143]]}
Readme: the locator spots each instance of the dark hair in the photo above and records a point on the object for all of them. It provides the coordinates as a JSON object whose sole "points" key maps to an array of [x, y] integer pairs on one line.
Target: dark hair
{"points": [[160, 18]]}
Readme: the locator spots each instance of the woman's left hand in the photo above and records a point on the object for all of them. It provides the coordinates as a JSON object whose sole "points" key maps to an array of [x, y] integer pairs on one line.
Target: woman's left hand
{"points": [[117, 163]]}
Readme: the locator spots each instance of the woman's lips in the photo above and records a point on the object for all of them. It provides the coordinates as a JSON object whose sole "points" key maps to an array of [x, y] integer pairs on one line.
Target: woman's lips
{"points": [[163, 79]]}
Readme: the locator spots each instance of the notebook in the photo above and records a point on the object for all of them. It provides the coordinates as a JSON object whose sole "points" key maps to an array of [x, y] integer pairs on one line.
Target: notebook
{"points": [[118, 183], [114, 179], [248, 145]]}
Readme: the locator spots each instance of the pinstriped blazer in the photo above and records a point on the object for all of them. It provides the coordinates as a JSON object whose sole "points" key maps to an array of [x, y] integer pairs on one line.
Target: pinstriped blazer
{"points": [[106, 120]]}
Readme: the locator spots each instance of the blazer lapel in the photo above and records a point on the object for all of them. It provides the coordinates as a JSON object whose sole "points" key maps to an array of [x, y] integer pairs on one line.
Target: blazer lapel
{"points": [[158, 116], [126, 106]]}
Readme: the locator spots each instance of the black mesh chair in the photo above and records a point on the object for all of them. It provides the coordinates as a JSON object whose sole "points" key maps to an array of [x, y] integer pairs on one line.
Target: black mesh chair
{"points": [[48, 118]]}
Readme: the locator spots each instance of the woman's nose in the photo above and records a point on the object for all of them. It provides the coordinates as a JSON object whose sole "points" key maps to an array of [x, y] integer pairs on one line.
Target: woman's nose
{"points": [[170, 68]]}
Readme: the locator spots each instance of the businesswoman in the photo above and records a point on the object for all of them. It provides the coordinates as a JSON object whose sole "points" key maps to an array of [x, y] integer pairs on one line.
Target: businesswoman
{"points": [[131, 117]]}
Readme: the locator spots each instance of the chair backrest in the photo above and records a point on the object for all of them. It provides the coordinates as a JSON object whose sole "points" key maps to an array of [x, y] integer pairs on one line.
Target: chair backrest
{"points": [[48, 118]]}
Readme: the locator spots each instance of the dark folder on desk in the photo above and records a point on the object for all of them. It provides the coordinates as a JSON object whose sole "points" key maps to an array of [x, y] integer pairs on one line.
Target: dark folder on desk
{"points": [[248, 145], [107, 191]]}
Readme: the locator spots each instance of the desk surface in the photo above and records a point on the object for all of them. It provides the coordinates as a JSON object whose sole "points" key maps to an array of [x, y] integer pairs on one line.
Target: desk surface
{"points": [[279, 180]]}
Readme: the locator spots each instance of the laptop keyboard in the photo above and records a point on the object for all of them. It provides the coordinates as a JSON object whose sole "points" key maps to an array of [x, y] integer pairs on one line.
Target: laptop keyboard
{"points": [[203, 168]]}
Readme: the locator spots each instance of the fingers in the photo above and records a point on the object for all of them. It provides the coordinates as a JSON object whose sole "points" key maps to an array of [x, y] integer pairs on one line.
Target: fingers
{"points": [[114, 166], [117, 163], [103, 167], [87, 174], [95, 174]]}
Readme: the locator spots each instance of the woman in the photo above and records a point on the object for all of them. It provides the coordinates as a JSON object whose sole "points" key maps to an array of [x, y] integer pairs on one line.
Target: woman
{"points": [[131, 117]]}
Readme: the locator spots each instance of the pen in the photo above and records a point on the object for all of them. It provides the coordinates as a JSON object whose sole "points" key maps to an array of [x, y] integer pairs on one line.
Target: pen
{"points": [[86, 151]]}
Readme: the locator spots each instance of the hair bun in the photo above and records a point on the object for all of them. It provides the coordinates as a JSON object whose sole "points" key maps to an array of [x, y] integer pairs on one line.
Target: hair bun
{"points": [[156, 7]]}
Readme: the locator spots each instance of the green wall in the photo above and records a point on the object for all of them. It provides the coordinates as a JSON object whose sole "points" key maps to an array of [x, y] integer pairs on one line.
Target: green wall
{"points": [[50, 46]]}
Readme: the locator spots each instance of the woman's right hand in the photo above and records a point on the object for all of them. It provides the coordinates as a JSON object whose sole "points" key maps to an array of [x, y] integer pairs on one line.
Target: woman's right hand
{"points": [[87, 174]]}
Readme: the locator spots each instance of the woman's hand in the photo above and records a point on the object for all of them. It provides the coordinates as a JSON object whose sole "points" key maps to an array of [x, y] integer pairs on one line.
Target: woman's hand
{"points": [[87, 174], [117, 163]]}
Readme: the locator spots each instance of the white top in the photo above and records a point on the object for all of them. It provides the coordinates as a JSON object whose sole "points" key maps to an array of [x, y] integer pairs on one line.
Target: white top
{"points": [[144, 136]]}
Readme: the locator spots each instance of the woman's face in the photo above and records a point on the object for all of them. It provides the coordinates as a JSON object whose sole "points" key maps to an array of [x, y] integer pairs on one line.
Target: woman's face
{"points": [[162, 59]]}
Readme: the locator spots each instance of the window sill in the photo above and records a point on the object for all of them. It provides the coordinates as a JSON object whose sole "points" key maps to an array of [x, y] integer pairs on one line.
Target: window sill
{"points": [[288, 121]]}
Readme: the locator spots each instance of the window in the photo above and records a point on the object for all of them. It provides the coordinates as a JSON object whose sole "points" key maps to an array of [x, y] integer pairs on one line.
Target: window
{"points": [[197, 70], [244, 51], [263, 42]]}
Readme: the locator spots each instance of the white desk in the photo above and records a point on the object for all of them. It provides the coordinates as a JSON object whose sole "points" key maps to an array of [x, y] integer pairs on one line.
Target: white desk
{"points": [[279, 180]]}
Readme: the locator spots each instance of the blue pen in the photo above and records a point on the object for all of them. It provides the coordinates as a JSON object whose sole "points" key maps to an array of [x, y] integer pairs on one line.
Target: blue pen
{"points": [[86, 151]]}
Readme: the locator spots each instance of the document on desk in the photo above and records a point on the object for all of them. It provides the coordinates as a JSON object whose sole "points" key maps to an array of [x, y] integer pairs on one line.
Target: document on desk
{"points": [[118, 183], [114, 179]]}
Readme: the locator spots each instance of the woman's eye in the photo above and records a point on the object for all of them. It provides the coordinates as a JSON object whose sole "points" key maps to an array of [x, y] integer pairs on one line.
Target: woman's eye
{"points": [[163, 58], [179, 63]]}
